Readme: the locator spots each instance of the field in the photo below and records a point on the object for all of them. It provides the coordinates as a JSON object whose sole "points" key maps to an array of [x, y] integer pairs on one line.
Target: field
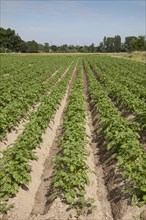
{"points": [[135, 55], [72, 138]]}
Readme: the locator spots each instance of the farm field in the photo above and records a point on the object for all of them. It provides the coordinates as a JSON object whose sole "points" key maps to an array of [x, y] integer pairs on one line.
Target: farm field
{"points": [[72, 138]]}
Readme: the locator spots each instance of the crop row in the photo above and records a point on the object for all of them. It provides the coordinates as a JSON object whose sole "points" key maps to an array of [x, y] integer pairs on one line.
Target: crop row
{"points": [[120, 139], [15, 66], [70, 172], [13, 112], [135, 71], [123, 96], [14, 166], [122, 76], [18, 83]]}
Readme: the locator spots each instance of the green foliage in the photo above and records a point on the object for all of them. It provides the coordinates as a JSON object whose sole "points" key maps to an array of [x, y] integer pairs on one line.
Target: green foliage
{"points": [[70, 174], [25, 85], [117, 79], [14, 165], [32, 47], [9, 40], [121, 139]]}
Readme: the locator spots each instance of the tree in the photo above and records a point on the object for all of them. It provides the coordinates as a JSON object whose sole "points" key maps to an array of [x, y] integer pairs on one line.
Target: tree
{"points": [[128, 41], [117, 43], [138, 44], [110, 44], [54, 48], [21, 47], [64, 48], [72, 49], [123, 48], [2, 39], [83, 49], [41, 47], [100, 48], [9, 40], [46, 48], [91, 48], [141, 43], [104, 43], [32, 47]]}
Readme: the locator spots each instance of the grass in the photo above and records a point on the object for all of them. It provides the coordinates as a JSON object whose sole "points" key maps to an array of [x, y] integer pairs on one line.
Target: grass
{"points": [[136, 55]]}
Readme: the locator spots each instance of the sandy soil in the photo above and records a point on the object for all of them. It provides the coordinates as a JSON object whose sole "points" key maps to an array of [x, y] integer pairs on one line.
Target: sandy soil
{"points": [[43, 209], [120, 202], [107, 185], [11, 137], [25, 198], [97, 189], [51, 76]]}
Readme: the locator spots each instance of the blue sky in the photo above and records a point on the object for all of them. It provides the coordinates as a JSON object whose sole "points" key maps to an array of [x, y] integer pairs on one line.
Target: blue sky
{"points": [[73, 22]]}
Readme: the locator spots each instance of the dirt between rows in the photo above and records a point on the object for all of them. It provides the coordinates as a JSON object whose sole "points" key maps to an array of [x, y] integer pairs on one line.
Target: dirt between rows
{"points": [[97, 188], [25, 198], [44, 208], [125, 112], [11, 137], [106, 184], [119, 201]]}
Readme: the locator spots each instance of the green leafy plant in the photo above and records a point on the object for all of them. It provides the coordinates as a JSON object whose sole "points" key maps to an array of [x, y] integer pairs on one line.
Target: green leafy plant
{"points": [[71, 171], [14, 165], [121, 139]]}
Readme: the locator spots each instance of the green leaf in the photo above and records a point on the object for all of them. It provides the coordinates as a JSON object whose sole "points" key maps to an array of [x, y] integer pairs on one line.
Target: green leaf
{"points": [[134, 200], [143, 188], [69, 198], [144, 197]]}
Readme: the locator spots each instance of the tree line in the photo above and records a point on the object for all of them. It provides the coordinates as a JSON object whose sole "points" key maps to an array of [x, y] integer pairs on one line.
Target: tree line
{"points": [[12, 42]]}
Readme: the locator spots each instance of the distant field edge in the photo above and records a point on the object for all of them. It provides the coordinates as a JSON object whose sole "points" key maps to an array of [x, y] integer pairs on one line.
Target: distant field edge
{"points": [[135, 55]]}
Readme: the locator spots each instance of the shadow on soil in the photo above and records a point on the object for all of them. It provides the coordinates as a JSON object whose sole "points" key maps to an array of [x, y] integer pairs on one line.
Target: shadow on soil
{"points": [[112, 177]]}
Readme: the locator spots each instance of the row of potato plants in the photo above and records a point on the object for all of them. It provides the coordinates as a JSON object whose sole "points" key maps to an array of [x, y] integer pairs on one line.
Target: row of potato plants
{"points": [[122, 95], [16, 84], [70, 174], [13, 112], [120, 139], [10, 62], [121, 75], [23, 78], [126, 68], [14, 165]]}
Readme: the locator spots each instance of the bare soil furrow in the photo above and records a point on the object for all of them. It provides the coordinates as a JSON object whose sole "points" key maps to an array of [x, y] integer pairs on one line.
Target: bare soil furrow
{"points": [[97, 188], [44, 207], [120, 201], [25, 198], [51, 76], [11, 137], [125, 112]]}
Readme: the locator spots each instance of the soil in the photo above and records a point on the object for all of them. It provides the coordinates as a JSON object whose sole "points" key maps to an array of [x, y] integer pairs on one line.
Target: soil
{"points": [[106, 184], [97, 188], [119, 201], [44, 207], [25, 198], [11, 137], [125, 112], [51, 76]]}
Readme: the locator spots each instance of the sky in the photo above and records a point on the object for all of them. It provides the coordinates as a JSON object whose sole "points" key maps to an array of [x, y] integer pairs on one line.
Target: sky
{"points": [[74, 22]]}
